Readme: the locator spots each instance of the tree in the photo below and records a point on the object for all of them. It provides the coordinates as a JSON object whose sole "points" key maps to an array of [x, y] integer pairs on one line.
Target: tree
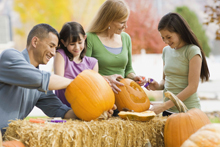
{"points": [[213, 13], [196, 27], [55, 13], [142, 27]]}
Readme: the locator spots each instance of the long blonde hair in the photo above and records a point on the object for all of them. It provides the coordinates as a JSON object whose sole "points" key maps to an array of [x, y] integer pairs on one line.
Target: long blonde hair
{"points": [[110, 10]]}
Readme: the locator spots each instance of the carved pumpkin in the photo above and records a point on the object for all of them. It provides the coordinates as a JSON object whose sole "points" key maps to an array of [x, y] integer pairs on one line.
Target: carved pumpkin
{"points": [[89, 95], [137, 116], [181, 125], [207, 136], [131, 97]]}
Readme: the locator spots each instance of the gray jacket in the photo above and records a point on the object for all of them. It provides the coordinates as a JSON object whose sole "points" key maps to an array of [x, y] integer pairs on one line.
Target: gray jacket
{"points": [[22, 86]]}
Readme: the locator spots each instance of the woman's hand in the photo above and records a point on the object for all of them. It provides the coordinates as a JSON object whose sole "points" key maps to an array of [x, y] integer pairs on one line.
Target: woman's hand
{"points": [[158, 107], [114, 81]]}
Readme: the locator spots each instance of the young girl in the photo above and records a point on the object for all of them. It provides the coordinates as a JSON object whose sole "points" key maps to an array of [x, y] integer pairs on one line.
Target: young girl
{"points": [[70, 57], [184, 64]]}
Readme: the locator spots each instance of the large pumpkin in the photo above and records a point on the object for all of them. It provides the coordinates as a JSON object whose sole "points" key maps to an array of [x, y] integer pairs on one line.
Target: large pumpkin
{"points": [[89, 95], [207, 136], [131, 97], [181, 125]]}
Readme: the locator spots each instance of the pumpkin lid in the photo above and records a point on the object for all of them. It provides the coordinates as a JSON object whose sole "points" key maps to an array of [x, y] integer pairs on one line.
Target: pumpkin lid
{"points": [[137, 116]]}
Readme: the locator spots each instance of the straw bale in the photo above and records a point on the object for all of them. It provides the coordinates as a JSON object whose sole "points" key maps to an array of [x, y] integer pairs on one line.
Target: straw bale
{"points": [[113, 132]]}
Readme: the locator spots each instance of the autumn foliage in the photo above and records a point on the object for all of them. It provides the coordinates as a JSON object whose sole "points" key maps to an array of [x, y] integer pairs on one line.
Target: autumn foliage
{"points": [[213, 13], [55, 13], [142, 27]]}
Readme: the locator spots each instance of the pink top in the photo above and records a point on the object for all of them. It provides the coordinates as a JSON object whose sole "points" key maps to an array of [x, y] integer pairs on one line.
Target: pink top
{"points": [[72, 69]]}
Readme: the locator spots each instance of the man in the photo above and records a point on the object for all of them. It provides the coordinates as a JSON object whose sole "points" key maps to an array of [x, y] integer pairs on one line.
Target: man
{"points": [[23, 85]]}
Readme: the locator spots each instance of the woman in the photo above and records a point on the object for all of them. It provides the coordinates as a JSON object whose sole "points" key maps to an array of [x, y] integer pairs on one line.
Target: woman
{"points": [[107, 42]]}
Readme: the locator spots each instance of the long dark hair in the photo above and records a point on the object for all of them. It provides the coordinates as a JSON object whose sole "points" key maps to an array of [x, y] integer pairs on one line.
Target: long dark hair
{"points": [[70, 32], [174, 22]]}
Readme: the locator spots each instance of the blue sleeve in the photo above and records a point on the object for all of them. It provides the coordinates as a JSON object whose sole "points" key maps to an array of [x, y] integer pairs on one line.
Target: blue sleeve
{"points": [[15, 70], [51, 105]]}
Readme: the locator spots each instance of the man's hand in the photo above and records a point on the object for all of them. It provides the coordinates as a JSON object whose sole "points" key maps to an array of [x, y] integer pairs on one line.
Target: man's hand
{"points": [[110, 112], [70, 114]]}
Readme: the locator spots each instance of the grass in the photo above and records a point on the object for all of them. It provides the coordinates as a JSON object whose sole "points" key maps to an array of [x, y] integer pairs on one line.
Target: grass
{"points": [[151, 98], [35, 117], [215, 120]]}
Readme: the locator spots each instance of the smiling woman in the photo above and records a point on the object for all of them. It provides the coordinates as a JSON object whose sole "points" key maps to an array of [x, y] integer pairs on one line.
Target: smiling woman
{"points": [[108, 43]]}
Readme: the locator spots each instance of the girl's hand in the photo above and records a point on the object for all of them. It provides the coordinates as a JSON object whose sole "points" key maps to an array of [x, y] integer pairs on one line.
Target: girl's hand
{"points": [[158, 107], [140, 80], [154, 85], [114, 81]]}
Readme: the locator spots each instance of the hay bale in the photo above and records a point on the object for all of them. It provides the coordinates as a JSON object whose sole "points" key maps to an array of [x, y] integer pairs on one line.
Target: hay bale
{"points": [[77, 133]]}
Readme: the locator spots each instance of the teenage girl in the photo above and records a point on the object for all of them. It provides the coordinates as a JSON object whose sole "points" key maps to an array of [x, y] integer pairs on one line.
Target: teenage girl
{"points": [[70, 59], [184, 63]]}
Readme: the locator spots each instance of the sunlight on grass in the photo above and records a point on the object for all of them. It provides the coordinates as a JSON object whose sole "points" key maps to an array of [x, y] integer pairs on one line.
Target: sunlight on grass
{"points": [[215, 120], [35, 117]]}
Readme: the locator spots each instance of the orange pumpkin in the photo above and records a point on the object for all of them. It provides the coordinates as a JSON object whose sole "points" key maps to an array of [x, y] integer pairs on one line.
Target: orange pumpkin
{"points": [[181, 125], [131, 97], [207, 136], [12, 143], [90, 95]]}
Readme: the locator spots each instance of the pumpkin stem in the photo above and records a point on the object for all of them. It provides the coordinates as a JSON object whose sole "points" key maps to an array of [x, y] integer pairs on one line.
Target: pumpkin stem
{"points": [[178, 103], [104, 115]]}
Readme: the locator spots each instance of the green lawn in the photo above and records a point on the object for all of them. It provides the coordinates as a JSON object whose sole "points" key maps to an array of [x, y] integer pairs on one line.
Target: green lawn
{"points": [[35, 117], [215, 120]]}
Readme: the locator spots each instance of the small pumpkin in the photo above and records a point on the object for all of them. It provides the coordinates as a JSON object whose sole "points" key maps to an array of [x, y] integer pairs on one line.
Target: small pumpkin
{"points": [[89, 95], [207, 136], [181, 125], [131, 97], [137, 116], [12, 143]]}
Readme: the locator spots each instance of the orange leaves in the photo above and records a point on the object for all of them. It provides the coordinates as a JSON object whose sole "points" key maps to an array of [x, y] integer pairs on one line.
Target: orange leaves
{"points": [[142, 27], [213, 13]]}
